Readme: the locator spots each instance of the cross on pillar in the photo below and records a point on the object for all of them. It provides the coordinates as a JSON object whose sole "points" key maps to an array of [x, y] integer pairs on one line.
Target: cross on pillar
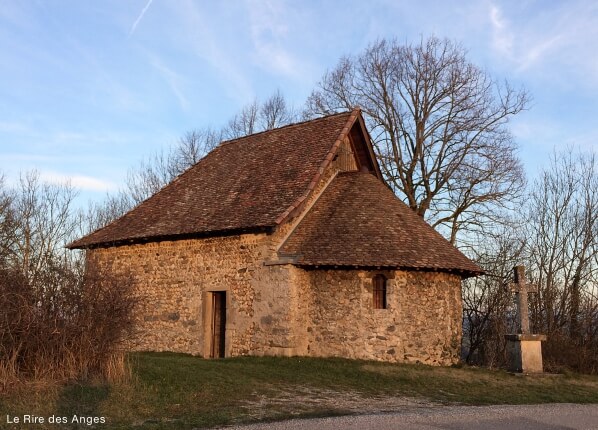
{"points": [[522, 288]]}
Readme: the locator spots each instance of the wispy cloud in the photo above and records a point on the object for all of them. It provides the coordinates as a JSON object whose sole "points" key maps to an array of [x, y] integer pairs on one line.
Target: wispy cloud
{"points": [[502, 35], [269, 31], [536, 130], [555, 41], [172, 78], [530, 47], [529, 50], [81, 182], [140, 17], [205, 43], [13, 127]]}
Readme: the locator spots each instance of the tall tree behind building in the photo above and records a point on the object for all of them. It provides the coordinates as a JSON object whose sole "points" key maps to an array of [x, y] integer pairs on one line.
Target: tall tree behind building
{"points": [[439, 126], [562, 227], [274, 112], [7, 222]]}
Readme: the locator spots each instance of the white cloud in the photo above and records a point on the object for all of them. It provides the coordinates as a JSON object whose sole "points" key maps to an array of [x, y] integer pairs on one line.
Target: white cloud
{"points": [[502, 34], [81, 182], [536, 130], [537, 52], [530, 48], [63, 136], [13, 127]]}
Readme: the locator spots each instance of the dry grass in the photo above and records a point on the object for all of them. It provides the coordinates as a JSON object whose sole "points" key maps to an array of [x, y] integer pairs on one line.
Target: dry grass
{"points": [[62, 328]]}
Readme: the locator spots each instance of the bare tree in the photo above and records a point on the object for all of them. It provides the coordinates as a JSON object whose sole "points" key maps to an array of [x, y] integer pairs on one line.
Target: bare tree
{"points": [[439, 126], [256, 117], [7, 222], [150, 176], [192, 147], [275, 112], [556, 238], [243, 123], [486, 301], [44, 223], [55, 324], [563, 228], [100, 214], [158, 170]]}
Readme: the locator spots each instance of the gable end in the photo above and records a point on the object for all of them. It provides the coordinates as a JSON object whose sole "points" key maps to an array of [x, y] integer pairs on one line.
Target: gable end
{"points": [[362, 149]]}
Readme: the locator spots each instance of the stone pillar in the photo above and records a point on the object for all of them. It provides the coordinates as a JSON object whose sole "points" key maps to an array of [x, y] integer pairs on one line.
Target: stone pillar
{"points": [[525, 352]]}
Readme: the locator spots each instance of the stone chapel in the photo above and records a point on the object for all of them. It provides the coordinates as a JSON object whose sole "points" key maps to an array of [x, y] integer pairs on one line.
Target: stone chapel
{"points": [[288, 242]]}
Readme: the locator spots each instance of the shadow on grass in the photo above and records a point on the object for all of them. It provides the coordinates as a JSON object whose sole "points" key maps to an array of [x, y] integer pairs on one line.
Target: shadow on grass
{"points": [[78, 405]]}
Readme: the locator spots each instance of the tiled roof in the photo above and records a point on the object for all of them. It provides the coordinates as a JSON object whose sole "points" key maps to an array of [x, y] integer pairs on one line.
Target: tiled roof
{"points": [[245, 184], [358, 221]]}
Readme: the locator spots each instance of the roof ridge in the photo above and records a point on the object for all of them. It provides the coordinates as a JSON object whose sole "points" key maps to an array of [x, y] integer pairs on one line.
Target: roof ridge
{"points": [[236, 139], [327, 160]]}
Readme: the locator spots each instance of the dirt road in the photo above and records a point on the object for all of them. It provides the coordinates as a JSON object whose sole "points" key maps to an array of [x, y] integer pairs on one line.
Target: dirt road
{"points": [[533, 417]]}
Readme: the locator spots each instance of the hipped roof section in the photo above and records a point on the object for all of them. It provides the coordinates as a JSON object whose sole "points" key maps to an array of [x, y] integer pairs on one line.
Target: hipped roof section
{"points": [[248, 184], [359, 222]]}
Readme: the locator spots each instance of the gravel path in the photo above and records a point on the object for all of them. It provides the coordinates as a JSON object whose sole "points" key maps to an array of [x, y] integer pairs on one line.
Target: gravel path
{"points": [[526, 417]]}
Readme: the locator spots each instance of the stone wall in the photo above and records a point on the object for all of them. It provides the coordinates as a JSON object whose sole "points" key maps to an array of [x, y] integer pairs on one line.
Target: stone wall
{"points": [[283, 309], [422, 322], [174, 278]]}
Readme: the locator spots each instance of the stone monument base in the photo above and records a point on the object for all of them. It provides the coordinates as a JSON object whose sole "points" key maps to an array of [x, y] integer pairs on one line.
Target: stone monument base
{"points": [[525, 352]]}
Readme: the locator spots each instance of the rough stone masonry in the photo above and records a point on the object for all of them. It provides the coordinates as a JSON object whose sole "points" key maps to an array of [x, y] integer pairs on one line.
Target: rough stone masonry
{"points": [[283, 309]]}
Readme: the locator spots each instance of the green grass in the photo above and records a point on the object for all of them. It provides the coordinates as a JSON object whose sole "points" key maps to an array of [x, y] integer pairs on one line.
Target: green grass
{"points": [[176, 391]]}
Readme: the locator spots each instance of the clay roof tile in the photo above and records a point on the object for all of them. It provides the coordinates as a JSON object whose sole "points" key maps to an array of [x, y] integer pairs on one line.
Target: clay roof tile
{"points": [[359, 222], [249, 183]]}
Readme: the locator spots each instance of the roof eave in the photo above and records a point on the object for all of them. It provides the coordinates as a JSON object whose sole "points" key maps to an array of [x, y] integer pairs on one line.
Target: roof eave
{"points": [[170, 237], [464, 273]]}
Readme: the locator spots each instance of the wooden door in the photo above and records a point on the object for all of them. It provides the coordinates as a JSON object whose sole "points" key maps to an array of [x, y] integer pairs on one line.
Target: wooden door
{"points": [[218, 324]]}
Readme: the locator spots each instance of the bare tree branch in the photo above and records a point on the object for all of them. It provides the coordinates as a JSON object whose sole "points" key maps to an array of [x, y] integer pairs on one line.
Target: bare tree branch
{"points": [[439, 125]]}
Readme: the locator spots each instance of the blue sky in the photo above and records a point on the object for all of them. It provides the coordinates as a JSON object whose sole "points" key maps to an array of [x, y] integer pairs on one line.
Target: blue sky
{"points": [[87, 89]]}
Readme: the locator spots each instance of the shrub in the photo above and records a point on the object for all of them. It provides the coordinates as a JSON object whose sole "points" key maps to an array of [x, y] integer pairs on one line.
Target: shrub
{"points": [[64, 327]]}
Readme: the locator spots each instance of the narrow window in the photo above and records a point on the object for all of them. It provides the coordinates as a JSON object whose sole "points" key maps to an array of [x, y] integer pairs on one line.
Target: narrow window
{"points": [[379, 282]]}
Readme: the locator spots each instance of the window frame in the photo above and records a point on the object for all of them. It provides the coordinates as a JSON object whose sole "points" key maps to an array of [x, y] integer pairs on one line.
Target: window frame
{"points": [[380, 291]]}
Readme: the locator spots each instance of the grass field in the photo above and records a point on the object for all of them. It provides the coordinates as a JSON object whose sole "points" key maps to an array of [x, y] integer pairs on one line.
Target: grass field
{"points": [[176, 391]]}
